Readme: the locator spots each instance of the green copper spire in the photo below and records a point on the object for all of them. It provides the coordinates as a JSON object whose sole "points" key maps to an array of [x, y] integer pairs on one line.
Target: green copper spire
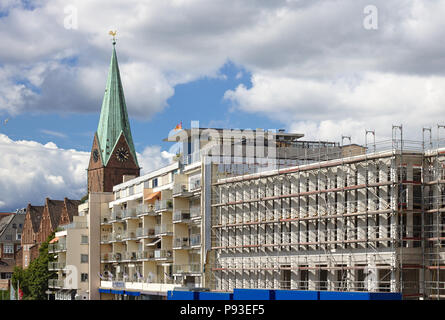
{"points": [[113, 116]]}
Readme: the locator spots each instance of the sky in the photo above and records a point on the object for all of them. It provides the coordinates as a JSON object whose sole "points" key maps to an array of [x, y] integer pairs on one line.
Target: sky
{"points": [[321, 68]]}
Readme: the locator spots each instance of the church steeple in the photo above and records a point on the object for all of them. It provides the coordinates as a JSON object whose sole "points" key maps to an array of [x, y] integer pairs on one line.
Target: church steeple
{"points": [[113, 117], [113, 154]]}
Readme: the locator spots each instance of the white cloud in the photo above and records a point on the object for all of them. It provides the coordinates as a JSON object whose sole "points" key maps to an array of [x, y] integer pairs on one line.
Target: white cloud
{"points": [[326, 109], [153, 158], [31, 171]]}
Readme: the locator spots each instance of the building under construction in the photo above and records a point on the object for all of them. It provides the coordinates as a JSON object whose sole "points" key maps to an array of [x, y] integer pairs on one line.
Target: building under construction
{"points": [[371, 220]]}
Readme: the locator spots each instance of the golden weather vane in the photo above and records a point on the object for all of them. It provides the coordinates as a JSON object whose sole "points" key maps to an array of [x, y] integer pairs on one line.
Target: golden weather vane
{"points": [[113, 33]]}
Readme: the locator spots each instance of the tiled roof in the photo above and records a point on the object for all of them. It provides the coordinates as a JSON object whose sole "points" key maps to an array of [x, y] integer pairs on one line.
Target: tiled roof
{"points": [[35, 212], [72, 207], [55, 208]]}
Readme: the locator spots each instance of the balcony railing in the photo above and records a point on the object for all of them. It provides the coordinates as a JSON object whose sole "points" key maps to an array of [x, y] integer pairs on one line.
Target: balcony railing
{"points": [[144, 232], [144, 209], [106, 238], [129, 256], [56, 247], [142, 255], [195, 240], [129, 235], [117, 256], [195, 185], [163, 205], [75, 225], [116, 215], [161, 229], [195, 212], [181, 216], [179, 189], [116, 237], [129, 213], [187, 268], [105, 219], [181, 242], [55, 283], [56, 265], [163, 254], [106, 257]]}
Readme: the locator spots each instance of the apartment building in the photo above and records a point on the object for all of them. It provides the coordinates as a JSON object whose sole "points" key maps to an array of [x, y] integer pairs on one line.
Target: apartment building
{"points": [[367, 222], [136, 237], [70, 247], [76, 247], [11, 228]]}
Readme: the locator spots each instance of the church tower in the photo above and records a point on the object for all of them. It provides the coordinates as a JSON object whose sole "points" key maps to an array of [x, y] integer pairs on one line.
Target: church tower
{"points": [[113, 154]]}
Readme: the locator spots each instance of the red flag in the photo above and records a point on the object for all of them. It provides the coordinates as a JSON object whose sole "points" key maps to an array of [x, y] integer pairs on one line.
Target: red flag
{"points": [[20, 294], [178, 126]]}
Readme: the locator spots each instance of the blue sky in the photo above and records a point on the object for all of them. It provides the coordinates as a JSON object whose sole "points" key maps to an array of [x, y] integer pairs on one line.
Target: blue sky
{"points": [[200, 100]]}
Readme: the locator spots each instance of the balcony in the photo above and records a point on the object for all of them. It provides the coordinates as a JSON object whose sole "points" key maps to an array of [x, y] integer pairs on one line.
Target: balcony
{"points": [[181, 243], [163, 230], [195, 212], [195, 240], [106, 257], [129, 235], [115, 257], [53, 266], [144, 233], [129, 213], [163, 205], [180, 190], [181, 216], [106, 238], [56, 247], [106, 219], [55, 283], [144, 209], [144, 255], [195, 185], [74, 225], [117, 237], [163, 255], [129, 256], [187, 268], [116, 215]]}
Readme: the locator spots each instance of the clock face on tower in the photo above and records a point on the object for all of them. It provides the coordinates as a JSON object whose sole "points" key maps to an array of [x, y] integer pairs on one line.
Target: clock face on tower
{"points": [[122, 154], [95, 155]]}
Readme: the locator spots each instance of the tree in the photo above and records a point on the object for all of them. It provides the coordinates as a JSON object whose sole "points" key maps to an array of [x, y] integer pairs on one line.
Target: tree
{"points": [[34, 279]]}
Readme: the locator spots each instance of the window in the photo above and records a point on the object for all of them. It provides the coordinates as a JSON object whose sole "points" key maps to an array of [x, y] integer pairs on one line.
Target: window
{"points": [[154, 182], [19, 236], [83, 258], [84, 240], [8, 249], [84, 277]]}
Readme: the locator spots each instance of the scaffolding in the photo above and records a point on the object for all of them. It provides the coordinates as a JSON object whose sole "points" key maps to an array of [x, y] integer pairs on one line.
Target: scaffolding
{"points": [[352, 223]]}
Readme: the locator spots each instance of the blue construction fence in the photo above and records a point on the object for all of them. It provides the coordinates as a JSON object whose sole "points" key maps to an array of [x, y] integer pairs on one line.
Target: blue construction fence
{"points": [[263, 294]]}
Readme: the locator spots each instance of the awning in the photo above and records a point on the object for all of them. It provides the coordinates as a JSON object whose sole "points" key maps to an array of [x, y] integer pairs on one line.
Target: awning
{"points": [[132, 293], [117, 291], [153, 243], [54, 240], [153, 195], [104, 290]]}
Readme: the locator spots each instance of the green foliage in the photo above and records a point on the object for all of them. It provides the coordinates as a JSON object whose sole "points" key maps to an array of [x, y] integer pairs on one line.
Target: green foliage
{"points": [[4, 294], [84, 198], [34, 280]]}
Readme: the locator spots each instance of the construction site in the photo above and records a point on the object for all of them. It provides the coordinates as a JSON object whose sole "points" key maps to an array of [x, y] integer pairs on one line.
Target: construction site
{"points": [[345, 218]]}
